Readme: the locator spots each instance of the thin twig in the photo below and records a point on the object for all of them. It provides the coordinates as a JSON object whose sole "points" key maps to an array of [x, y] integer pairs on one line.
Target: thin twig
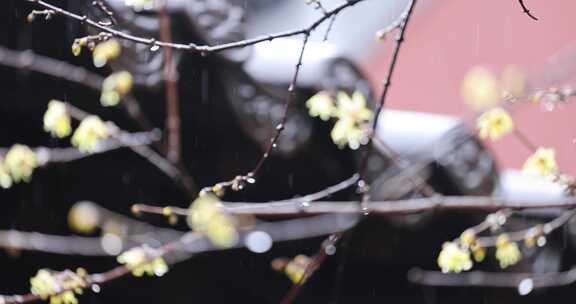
{"points": [[406, 206], [191, 46], [526, 10]]}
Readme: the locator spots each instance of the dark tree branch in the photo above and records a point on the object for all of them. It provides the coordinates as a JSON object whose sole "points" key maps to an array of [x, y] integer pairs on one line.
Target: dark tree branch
{"points": [[526, 10]]}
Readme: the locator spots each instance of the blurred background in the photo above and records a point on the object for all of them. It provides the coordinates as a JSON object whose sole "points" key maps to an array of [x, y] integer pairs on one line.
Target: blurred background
{"points": [[445, 39]]}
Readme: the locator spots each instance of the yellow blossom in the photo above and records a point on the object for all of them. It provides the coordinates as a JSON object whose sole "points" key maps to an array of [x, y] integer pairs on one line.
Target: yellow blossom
{"points": [[453, 258], [541, 163], [20, 162], [143, 260], [346, 132], [5, 179], [106, 51], [321, 105], [468, 238], [208, 217], [57, 120], [507, 253], [44, 284], [47, 284], [494, 124], [479, 253], [354, 108], [115, 87], [480, 88], [296, 268], [89, 133]]}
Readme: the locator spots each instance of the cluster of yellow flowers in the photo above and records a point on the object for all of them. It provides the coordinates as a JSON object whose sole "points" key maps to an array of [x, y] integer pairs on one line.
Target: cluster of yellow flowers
{"points": [[494, 124], [89, 133], [106, 51], [57, 120], [207, 216], [17, 166], [143, 260], [455, 256], [60, 287], [352, 114], [91, 129], [115, 87]]}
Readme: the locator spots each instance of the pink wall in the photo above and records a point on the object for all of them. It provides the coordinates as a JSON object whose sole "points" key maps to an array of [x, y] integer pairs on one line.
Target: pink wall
{"points": [[446, 38]]}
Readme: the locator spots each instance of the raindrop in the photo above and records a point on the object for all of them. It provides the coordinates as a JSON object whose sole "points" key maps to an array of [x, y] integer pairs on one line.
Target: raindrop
{"points": [[365, 210], [258, 241], [250, 180], [154, 48], [541, 241], [111, 244], [274, 145], [525, 287], [95, 288], [330, 249], [304, 204]]}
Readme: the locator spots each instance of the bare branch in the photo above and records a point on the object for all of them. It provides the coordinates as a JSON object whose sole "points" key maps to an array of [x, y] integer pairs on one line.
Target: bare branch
{"points": [[526, 10], [414, 205]]}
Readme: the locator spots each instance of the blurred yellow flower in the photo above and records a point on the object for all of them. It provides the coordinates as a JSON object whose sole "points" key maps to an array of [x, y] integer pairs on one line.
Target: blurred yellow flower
{"points": [[89, 133], [5, 179], [351, 128], [321, 105], [541, 163], [507, 253], [296, 268], [468, 238], [115, 87], [453, 258], [48, 284], [354, 108], [494, 124], [479, 253], [143, 260], [346, 132], [208, 217], [106, 51], [480, 88], [57, 120], [84, 217], [20, 162], [44, 284], [513, 81]]}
